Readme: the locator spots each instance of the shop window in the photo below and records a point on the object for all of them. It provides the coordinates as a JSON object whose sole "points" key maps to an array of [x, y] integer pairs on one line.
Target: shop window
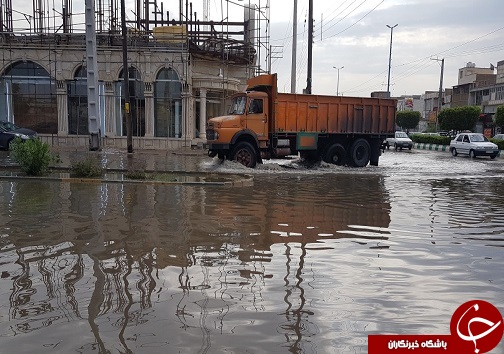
{"points": [[168, 104], [78, 103], [28, 97], [137, 103]]}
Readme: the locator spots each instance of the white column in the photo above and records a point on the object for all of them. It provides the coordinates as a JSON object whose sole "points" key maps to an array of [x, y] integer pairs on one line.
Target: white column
{"points": [[62, 104], [149, 110], [203, 117], [110, 118]]}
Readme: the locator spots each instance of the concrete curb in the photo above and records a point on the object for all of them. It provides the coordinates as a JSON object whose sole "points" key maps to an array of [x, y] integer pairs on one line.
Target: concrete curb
{"points": [[435, 147], [240, 181]]}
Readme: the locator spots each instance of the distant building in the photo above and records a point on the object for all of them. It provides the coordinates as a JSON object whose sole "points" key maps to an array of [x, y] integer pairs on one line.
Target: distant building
{"points": [[471, 77], [411, 103], [491, 96], [431, 104]]}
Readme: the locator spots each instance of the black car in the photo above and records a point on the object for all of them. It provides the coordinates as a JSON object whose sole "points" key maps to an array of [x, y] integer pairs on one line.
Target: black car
{"points": [[8, 131]]}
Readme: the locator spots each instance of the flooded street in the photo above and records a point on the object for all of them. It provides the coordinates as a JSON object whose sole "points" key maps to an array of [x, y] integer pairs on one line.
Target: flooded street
{"points": [[306, 260]]}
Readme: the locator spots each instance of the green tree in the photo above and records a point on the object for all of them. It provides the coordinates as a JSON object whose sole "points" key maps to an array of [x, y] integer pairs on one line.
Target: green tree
{"points": [[499, 116], [408, 119], [459, 118]]}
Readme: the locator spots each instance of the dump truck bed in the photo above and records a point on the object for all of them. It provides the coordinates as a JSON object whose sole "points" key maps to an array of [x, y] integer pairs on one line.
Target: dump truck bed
{"points": [[333, 114]]}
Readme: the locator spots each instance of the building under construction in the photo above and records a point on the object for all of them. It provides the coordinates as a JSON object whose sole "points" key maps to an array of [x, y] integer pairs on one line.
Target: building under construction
{"points": [[181, 69]]}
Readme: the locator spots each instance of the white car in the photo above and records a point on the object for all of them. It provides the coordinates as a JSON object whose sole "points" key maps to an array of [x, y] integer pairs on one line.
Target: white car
{"points": [[473, 144], [399, 141]]}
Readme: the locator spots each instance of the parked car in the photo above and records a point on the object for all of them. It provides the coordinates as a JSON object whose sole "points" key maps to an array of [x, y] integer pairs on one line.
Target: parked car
{"points": [[9, 131], [498, 137], [399, 141], [473, 144]]}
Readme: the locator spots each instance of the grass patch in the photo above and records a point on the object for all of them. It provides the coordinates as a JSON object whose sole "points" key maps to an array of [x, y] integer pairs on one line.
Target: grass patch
{"points": [[87, 168], [139, 175]]}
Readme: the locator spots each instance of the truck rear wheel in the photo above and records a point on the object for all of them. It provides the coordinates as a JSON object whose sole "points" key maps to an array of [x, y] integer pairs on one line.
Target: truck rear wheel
{"points": [[245, 154], [360, 153], [336, 155]]}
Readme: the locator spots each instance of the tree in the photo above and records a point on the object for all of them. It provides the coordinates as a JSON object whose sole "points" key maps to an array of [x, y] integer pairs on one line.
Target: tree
{"points": [[408, 119], [499, 116], [459, 118]]}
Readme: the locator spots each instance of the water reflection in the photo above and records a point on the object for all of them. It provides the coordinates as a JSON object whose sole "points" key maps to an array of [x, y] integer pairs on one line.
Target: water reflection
{"points": [[107, 255], [294, 263]]}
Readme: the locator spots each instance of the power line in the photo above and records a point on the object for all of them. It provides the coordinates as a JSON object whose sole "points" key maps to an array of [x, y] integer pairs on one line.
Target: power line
{"points": [[356, 22], [341, 19]]}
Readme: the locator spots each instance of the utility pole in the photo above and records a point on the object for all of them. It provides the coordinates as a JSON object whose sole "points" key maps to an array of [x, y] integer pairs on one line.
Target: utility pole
{"points": [[294, 49], [92, 77], [440, 97], [390, 59], [127, 116], [310, 48]]}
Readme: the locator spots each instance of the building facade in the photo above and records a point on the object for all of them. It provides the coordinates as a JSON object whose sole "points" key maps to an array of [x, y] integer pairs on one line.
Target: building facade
{"points": [[180, 75]]}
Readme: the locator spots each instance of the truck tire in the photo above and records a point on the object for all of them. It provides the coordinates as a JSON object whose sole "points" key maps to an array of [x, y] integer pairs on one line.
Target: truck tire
{"points": [[336, 154], [245, 154], [360, 153]]}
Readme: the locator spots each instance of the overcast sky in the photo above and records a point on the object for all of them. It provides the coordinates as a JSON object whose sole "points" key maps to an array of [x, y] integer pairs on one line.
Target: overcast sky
{"points": [[354, 34]]}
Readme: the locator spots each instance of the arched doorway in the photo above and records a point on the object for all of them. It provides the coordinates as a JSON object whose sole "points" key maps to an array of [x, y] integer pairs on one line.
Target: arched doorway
{"points": [[137, 103], [28, 97], [167, 104]]}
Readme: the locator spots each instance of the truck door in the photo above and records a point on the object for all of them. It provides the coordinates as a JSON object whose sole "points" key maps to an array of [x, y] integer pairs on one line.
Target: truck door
{"points": [[257, 118]]}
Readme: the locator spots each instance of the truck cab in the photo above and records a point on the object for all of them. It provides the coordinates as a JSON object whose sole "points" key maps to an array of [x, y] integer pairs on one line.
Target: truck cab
{"points": [[242, 130]]}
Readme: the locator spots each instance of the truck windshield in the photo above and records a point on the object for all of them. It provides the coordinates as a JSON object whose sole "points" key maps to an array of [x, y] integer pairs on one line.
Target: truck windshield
{"points": [[238, 105]]}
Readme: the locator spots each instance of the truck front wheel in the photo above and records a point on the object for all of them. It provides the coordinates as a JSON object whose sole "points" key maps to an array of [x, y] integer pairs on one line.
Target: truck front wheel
{"points": [[245, 154], [360, 153]]}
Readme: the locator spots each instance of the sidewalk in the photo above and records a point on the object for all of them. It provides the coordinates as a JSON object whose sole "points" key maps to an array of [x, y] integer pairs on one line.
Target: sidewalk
{"points": [[185, 166]]}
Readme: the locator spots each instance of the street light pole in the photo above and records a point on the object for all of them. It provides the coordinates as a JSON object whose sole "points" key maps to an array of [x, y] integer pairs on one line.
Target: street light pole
{"points": [[390, 59], [337, 85]]}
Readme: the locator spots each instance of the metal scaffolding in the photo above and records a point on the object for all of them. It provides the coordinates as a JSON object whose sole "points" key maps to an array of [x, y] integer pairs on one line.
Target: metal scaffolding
{"points": [[149, 23]]}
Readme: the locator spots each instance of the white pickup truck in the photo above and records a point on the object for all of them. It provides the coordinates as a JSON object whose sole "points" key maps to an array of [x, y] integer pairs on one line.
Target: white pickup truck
{"points": [[399, 141]]}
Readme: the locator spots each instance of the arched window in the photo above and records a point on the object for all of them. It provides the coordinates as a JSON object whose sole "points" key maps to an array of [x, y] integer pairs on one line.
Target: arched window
{"points": [[168, 104], [77, 103], [137, 102], [28, 97]]}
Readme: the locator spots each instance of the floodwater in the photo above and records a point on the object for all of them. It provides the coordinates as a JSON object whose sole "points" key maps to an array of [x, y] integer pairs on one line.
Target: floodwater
{"points": [[306, 260]]}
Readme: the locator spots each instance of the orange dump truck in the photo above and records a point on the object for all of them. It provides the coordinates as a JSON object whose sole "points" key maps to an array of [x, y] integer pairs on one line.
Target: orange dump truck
{"points": [[263, 124]]}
